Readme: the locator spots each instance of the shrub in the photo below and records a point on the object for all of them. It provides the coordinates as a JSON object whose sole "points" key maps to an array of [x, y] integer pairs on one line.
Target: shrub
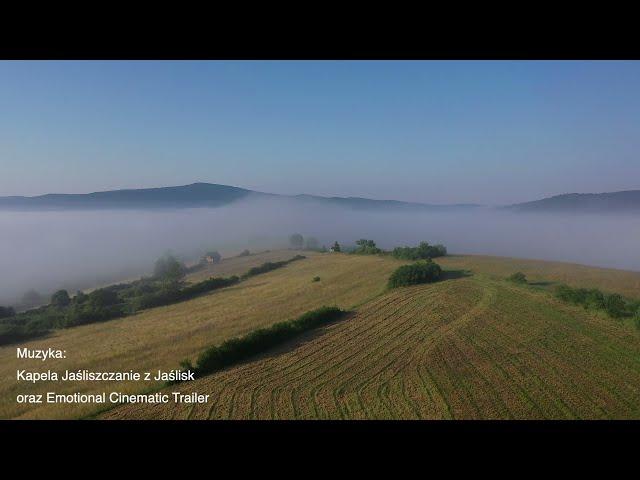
{"points": [[268, 266], [366, 247], [423, 251], [60, 298], [244, 253], [18, 333], [615, 305], [6, 312], [316, 279], [518, 277], [167, 296], [419, 272], [241, 348], [168, 268]]}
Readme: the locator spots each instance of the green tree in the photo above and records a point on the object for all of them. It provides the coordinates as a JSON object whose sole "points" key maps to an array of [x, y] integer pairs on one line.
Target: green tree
{"points": [[296, 241], [60, 298], [168, 268], [6, 312], [423, 271], [336, 247]]}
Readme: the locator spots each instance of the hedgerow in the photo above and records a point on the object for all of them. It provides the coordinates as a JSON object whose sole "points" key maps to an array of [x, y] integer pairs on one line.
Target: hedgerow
{"points": [[240, 348]]}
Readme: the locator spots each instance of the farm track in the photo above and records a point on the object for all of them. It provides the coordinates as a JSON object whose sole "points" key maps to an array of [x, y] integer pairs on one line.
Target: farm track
{"points": [[466, 348]]}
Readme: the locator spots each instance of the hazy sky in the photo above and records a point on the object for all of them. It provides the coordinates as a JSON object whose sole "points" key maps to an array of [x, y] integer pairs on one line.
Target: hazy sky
{"points": [[486, 132]]}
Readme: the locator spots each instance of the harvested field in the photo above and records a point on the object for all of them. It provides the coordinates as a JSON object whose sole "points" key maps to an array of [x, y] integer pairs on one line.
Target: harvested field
{"points": [[465, 348], [609, 280], [239, 265], [159, 338]]}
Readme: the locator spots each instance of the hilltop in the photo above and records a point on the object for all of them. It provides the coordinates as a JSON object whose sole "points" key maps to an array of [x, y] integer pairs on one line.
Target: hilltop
{"points": [[197, 195], [613, 202], [215, 195], [470, 346]]}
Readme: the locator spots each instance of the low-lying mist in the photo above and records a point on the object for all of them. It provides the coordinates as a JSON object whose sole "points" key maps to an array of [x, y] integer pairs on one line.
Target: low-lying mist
{"points": [[49, 250]]}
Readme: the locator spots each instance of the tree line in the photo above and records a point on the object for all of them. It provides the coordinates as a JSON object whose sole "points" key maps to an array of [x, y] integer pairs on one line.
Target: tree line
{"points": [[164, 287]]}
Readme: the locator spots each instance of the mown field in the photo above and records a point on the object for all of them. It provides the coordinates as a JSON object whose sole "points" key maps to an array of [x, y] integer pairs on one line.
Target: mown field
{"points": [[239, 265], [609, 280], [160, 338], [471, 347], [468, 347]]}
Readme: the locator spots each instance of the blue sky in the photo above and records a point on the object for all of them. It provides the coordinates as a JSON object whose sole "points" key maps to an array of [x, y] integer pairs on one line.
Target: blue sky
{"points": [[440, 132]]}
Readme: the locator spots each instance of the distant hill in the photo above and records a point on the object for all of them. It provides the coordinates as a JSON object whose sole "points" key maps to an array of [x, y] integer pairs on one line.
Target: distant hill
{"points": [[194, 195], [214, 195], [614, 202], [358, 203]]}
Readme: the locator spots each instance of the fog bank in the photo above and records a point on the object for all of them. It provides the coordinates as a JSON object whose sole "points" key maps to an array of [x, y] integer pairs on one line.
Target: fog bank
{"points": [[62, 249]]}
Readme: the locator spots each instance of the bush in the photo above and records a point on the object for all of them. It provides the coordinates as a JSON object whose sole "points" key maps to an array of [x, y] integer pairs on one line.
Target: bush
{"points": [[366, 247], [423, 251], [316, 279], [419, 272], [167, 296], [613, 304], [168, 268], [258, 341], [60, 298], [518, 277], [244, 253], [269, 266], [6, 312], [18, 333]]}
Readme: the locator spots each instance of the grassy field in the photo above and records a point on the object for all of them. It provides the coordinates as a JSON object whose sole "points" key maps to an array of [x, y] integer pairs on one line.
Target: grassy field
{"points": [[239, 265], [609, 280], [468, 347], [465, 348], [160, 338]]}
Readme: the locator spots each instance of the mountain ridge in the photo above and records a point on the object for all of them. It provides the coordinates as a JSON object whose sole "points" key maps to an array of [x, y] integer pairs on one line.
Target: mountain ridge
{"points": [[201, 194], [625, 201], [197, 194]]}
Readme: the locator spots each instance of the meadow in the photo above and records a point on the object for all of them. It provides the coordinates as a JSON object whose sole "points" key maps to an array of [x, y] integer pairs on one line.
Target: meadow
{"points": [[470, 346], [464, 348], [160, 338]]}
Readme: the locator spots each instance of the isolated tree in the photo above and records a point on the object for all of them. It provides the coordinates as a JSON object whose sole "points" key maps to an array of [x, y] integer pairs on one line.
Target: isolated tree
{"points": [[296, 241], [60, 298], [168, 268], [336, 247], [312, 243]]}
